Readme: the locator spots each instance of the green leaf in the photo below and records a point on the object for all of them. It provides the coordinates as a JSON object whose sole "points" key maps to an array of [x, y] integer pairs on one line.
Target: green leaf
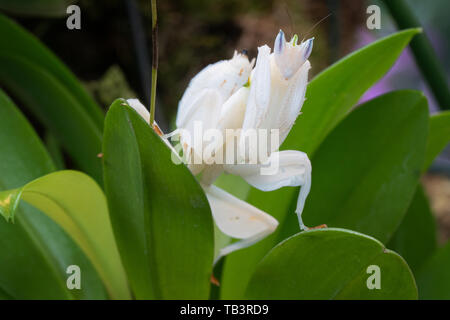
{"points": [[336, 90], [366, 171], [20, 43], [45, 86], [330, 96], [34, 239], [40, 91], [160, 214], [433, 278], [438, 136], [41, 8], [331, 264], [415, 238], [54, 149], [364, 177], [74, 201], [4, 295], [239, 265]]}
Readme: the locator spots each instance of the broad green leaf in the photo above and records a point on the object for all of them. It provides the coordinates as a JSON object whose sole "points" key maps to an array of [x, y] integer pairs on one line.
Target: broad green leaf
{"points": [[415, 238], [160, 215], [20, 43], [54, 149], [74, 201], [34, 239], [4, 295], [57, 109], [364, 177], [438, 136], [45, 86], [41, 8], [433, 278], [366, 171], [330, 96], [331, 264]]}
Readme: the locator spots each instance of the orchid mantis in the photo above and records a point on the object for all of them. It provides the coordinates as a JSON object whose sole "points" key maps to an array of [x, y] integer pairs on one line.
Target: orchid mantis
{"points": [[238, 95]]}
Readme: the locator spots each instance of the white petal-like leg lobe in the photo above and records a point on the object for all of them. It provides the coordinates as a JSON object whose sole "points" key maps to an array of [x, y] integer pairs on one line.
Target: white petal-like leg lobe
{"points": [[229, 123], [285, 168], [204, 108], [203, 115], [233, 110], [259, 97], [225, 76], [292, 102], [238, 219], [140, 108], [304, 191], [195, 87]]}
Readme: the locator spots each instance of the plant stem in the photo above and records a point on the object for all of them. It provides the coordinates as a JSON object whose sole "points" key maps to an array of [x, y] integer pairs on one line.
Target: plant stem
{"points": [[424, 54], [154, 62]]}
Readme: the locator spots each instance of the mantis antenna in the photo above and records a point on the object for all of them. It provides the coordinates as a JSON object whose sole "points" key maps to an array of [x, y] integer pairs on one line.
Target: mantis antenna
{"points": [[315, 25]]}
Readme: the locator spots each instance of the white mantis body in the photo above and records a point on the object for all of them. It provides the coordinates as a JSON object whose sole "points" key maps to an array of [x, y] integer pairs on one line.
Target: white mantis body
{"points": [[235, 94]]}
